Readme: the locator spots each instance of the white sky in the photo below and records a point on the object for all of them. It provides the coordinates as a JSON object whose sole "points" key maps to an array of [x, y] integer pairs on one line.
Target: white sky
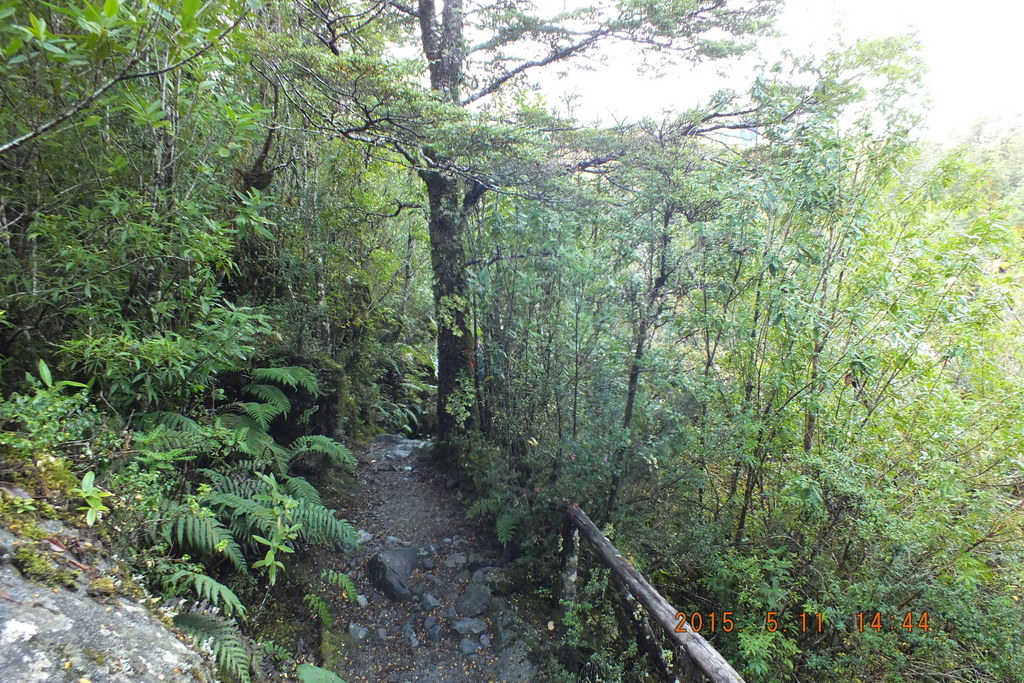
{"points": [[973, 50]]}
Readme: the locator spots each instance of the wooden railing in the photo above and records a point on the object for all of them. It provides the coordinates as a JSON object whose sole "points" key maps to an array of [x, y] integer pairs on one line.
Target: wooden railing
{"points": [[700, 658]]}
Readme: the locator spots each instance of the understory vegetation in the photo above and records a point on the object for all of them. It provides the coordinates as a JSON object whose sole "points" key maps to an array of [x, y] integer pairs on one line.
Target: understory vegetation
{"points": [[771, 343]]}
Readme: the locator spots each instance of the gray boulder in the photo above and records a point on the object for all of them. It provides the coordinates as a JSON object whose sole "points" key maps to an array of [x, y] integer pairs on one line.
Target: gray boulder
{"points": [[468, 646], [61, 636], [514, 665], [434, 633], [470, 627], [410, 635], [474, 599], [390, 571], [455, 560]]}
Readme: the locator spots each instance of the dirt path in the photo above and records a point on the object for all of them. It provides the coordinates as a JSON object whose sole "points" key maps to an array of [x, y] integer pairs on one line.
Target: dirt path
{"points": [[444, 620]]}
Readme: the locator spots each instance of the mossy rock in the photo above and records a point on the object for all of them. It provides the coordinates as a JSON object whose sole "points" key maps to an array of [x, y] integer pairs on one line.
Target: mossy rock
{"points": [[34, 565], [102, 586]]}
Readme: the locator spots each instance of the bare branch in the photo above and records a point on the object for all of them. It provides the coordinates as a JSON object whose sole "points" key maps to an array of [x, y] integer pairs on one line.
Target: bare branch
{"points": [[557, 54]]}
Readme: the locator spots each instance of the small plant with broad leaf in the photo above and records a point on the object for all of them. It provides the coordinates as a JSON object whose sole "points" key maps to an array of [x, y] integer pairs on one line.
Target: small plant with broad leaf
{"points": [[93, 497]]}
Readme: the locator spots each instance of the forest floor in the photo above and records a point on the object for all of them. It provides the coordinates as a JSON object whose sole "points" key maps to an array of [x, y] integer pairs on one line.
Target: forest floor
{"points": [[452, 625]]}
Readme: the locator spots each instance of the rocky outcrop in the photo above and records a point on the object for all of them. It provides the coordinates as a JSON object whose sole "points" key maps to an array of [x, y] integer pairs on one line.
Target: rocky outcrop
{"points": [[79, 632]]}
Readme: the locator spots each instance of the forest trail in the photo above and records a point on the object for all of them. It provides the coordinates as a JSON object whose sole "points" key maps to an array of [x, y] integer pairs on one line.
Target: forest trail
{"points": [[444, 620]]}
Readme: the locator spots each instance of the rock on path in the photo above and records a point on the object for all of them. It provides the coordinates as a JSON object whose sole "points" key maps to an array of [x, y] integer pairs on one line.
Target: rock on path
{"points": [[431, 604]]}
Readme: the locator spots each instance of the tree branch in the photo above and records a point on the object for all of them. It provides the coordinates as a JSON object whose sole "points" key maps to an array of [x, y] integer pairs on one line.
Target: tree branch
{"points": [[121, 77], [557, 54]]}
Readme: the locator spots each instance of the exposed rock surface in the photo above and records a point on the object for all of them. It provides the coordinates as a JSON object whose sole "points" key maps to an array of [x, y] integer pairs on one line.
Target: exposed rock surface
{"points": [[58, 635], [391, 569]]}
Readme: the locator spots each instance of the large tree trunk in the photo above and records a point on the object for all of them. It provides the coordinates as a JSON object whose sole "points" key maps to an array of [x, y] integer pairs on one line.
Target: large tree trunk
{"points": [[449, 204], [451, 199]]}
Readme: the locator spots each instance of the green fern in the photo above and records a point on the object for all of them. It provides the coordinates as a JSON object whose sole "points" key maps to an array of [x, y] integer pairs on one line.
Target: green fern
{"points": [[301, 490], [319, 525], [250, 513], [167, 434], [320, 608], [270, 395], [289, 376], [262, 413], [342, 581], [317, 443], [505, 527], [253, 438], [486, 506], [206, 534], [209, 590], [275, 652], [224, 639], [243, 487], [246, 467], [178, 422]]}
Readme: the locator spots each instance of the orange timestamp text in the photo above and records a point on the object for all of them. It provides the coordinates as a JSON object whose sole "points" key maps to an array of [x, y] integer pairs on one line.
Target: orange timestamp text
{"points": [[804, 622]]}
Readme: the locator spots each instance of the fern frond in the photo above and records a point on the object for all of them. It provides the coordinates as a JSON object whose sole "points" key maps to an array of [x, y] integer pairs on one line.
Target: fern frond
{"points": [[300, 489], [161, 437], [206, 535], [253, 437], [319, 525], [270, 395], [224, 639], [162, 521], [275, 652], [317, 443], [505, 527], [262, 413], [320, 608], [209, 590], [244, 487], [342, 581], [247, 467], [179, 423], [485, 506], [251, 513], [289, 376]]}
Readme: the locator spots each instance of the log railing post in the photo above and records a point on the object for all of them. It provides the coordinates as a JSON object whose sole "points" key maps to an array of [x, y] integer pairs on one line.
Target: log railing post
{"points": [[646, 639], [570, 560], [693, 645]]}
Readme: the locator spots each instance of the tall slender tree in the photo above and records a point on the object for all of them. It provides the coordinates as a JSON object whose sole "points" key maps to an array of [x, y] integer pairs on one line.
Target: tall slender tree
{"points": [[463, 76]]}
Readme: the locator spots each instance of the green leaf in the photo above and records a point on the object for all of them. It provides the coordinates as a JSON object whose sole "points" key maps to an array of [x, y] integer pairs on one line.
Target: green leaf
{"points": [[38, 26], [111, 7], [13, 46], [314, 674], [188, 12], [44, 374]]}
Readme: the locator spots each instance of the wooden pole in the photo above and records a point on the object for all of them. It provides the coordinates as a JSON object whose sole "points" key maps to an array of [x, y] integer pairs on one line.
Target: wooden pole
{"points": [[570, 560], [699, 650], [646, 639]]}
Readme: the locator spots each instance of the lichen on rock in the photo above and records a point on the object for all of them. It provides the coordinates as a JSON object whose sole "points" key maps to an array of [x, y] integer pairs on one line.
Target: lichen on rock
{"points": [[58, 634]]}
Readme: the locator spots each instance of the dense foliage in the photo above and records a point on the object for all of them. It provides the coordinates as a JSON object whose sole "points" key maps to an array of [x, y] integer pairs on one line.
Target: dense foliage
{"points": [[771, 343]]}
